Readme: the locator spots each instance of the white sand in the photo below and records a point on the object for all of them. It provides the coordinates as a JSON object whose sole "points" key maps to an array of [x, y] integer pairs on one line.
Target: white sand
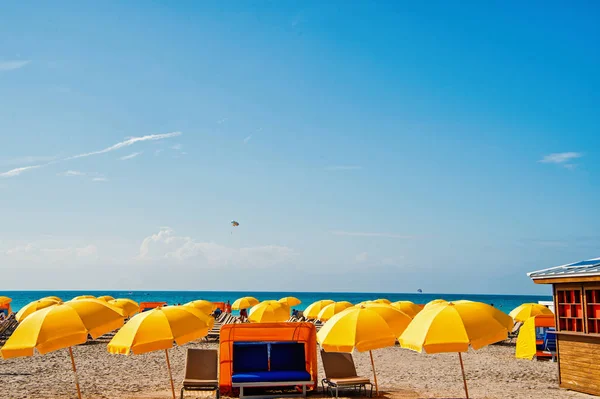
{"points": [[492, 372]]}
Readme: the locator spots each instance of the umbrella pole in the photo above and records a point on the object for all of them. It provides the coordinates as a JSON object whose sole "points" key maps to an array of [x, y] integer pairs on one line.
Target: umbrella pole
{"points": [[374, 374], [75, 372], [462, 367], [170, 374]]}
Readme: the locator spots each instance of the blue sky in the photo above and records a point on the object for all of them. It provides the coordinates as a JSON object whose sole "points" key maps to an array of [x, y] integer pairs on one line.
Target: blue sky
{"points": [[361, 146]]}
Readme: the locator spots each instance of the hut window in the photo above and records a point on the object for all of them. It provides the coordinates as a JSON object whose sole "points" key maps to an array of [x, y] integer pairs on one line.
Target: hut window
{"points": [[592, 299], [570, 310]]}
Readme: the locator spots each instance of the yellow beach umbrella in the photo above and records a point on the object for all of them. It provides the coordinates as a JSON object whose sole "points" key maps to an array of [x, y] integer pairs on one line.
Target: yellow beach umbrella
{"points": [[332, 309], [269, 312], [128, 306], [77, 298], [244, 303], [434, 302], [54, 298], [290, 301], [312, 311], [33, 307], [106, 298], [383, 300], [62, 326], [407, 307], [453, 327], [157, 329], [527, 310], [205, 306], [365, 328]]}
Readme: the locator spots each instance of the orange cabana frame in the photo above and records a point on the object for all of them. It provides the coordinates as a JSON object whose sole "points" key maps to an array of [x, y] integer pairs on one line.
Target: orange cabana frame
{"points": [[265, 332], [151, 305]]}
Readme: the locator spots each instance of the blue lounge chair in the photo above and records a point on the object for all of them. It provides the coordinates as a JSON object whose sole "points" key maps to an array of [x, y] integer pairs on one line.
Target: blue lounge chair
{"points": [[550, 343]]}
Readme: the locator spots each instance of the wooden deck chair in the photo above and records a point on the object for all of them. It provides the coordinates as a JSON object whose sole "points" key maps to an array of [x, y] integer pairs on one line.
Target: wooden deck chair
{"points": [[340, 372], [201, 371]]}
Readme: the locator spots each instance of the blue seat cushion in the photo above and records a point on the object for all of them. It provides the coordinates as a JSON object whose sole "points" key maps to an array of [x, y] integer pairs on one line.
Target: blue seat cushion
{"points": [[271, 376], [287, 356], [250, 357]]}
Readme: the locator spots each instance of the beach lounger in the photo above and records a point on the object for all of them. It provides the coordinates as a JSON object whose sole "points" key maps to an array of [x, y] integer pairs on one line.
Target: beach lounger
{"points": [[515, 331], [201, 371], [340, 373], [550, 343]]}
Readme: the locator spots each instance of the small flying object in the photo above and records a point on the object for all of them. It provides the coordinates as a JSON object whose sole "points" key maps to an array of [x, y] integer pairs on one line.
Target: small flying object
{"points": [[420, 291], [234, 223]]}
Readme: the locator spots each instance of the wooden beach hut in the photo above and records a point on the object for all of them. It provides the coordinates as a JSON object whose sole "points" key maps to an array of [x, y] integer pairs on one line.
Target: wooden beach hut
{"points": [[576, 291]]}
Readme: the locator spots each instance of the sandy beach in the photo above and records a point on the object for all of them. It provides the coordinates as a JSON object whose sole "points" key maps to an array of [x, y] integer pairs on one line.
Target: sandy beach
{"points": [[492, 373]]}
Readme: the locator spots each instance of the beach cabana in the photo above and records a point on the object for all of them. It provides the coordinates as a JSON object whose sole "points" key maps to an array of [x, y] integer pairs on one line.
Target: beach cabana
{"points": [[253, 338], [576, 291], [5, 305], [530, 341]]}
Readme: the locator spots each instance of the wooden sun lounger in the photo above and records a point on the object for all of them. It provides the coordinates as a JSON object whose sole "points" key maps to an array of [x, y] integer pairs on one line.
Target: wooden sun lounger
{"points": [[340, 372], [201, 371]]}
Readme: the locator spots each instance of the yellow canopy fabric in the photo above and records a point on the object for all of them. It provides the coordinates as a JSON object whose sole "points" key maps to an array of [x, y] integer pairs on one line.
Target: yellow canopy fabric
{"points": [[452, 327], [332, 309], [156, 329], [244, 303], [526, 345], [407, 307], [312, 311], [106, 298], [128, 306], [4, 300], [61, 326], [290, 301], [527, 310], [83, 297], [202, 305], [269, 312], [33, 307], [54, 298]]}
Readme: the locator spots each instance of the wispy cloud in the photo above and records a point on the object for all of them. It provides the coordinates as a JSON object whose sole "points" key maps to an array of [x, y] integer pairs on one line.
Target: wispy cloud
{"points": [[220, 121], [18, 171], [177, 147], [69, 173], [561, 157], [12, 65], [368, 234], [344, 167], [130, 141], [247, 139], [100, 179], [157, 152], [130, 156], [127, 143]]}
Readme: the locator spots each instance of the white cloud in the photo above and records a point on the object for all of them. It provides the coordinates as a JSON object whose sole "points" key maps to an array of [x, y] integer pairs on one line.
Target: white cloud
{"points": [[18, 171], [220, 121], [69, 173], [131, 156], [177, 147], [12, 65], [157, 152], [130, 141], [100, 179], [344, 167], [247, 139], [33, 252], [560, 157], [166, 245], [367, 234]]}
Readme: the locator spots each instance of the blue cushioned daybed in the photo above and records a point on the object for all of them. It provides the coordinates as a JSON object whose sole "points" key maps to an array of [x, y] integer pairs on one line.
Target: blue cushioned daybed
{"points": [[286, 368]]}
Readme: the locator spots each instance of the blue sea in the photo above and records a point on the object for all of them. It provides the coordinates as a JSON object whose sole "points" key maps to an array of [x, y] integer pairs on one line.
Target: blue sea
{"points": [[503, 302]]}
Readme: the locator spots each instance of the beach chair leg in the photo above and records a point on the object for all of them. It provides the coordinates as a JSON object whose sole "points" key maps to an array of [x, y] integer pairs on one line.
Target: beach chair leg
{"points": [[304, 390], [182, 392], [241, 392]]}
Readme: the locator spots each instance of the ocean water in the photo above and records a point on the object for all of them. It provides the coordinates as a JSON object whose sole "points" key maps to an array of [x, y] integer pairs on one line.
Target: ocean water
{"points": [[503, 302]]}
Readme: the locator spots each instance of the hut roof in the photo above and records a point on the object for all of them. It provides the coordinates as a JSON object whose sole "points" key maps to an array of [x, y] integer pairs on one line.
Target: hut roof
{"points": [[585, 268]]}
